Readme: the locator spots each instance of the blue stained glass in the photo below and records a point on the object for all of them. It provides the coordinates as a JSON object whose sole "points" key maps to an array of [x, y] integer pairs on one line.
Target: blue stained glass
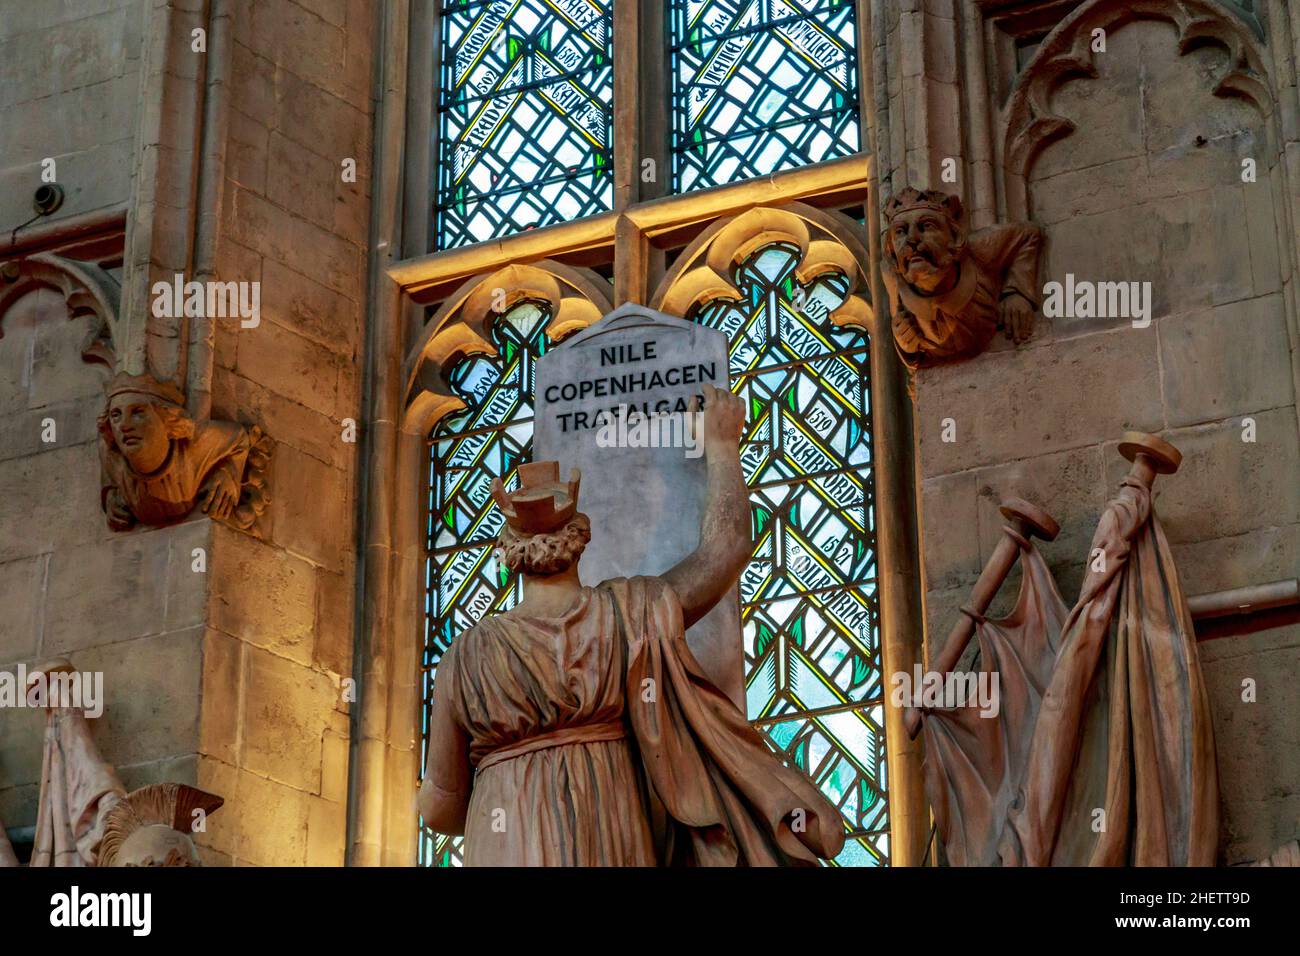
{"points": [[488, 439], [524, 112], [759, 86], [808, 607]]}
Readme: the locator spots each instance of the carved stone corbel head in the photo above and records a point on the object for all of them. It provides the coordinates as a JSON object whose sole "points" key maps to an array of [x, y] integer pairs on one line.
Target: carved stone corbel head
{"points": [[158, 462], [926, 238], [951, 291]]}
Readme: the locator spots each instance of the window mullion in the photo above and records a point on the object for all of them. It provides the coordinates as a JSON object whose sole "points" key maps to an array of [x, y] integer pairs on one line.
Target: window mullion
{"points": [[627, 72], [639, 135]]}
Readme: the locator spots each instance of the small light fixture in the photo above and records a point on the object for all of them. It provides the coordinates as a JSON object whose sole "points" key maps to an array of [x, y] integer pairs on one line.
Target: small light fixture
{"points": [[48, 198]]}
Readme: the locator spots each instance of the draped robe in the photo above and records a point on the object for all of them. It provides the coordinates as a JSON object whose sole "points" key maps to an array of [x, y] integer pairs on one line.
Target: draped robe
{"points": [[584, 727], [1089, 721], [78, 787]]}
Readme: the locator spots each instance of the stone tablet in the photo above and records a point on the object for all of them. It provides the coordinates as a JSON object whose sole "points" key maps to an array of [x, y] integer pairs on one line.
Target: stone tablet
{"points": [[645, 500]]}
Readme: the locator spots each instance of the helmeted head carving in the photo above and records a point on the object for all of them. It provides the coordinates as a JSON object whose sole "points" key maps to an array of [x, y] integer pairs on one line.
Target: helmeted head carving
{"points": [[925, 238], [152, 826], [142, 418], [544, 533]]}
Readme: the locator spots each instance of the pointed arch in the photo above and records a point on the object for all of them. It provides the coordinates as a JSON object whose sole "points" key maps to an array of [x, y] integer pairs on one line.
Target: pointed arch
{"points": [[86, 288], [1031, 124]]}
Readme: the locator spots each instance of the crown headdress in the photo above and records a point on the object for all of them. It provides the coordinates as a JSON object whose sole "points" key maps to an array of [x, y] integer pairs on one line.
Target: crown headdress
{"points": [[912, 198], [542, 502], [144, 385]]}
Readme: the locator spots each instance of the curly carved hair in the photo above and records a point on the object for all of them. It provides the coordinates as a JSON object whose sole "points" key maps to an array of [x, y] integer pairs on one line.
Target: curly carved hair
{"points": [[177, 421], [548, 553]]}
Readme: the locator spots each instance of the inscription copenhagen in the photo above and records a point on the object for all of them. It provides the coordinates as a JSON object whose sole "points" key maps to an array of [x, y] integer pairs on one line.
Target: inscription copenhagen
{"points": [[626, 381], [613, 400]]}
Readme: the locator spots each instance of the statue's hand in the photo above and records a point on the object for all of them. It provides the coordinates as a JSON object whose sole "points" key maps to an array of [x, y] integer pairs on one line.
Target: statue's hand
{"points": [[907, 334], [724, 420], [1017, 316], [220, 494], [119, 515]]}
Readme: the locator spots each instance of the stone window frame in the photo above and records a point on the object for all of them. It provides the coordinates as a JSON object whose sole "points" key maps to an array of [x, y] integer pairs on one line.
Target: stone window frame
{"points": [[409, 332]]}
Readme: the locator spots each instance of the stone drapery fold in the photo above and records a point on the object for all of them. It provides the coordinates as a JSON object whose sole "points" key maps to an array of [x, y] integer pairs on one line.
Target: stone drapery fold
{"points": [[78, 787]]}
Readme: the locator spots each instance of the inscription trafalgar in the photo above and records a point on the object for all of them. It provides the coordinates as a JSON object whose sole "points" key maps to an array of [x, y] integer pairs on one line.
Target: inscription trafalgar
{"points": [[645, 498]]}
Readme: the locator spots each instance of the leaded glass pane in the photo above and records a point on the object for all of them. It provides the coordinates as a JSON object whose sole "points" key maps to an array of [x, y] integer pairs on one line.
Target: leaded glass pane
{"points": [[524, 108], [844, 753], [759, 86], [814, 686]]}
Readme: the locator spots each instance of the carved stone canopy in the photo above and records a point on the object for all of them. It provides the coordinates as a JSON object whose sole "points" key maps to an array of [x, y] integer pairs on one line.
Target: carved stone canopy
{"points": [[86, 288], [574, 297], [1032, 121], [827, 243]]}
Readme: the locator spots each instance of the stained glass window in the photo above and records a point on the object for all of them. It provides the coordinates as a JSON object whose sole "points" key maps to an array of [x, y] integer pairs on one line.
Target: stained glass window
{"points": [[811, 631], [524, 116], [811, 628], [487, 440], [759, 86]]}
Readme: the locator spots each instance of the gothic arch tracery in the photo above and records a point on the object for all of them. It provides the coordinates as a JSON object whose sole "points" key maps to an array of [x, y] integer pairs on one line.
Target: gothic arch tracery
{"points": [[1031, 124], [827, 243], [86, 288], [575, 299]]}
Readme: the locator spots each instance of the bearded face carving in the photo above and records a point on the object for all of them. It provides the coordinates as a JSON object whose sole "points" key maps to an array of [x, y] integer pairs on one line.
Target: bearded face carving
{"points": [[927, 246], [949, 291], [158, 463]]}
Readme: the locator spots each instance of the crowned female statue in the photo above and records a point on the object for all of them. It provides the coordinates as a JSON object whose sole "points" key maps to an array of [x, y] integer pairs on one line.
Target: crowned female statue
{"points": [[577, 729]]}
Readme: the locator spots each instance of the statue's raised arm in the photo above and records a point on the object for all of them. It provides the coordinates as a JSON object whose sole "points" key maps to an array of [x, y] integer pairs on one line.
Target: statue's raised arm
{"points": [[707, 573]]}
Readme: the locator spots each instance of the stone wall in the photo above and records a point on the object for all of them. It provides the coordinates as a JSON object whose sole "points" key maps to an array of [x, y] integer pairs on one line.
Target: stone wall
{"points": [[69, 90], [1148, 187], [124, 604], [231, 677], [279, 638]]}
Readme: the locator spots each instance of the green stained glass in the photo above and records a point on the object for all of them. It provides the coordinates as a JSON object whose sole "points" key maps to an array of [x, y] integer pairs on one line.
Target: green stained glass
{"points": [[811, 628], [524, 110], [759, 86], [487, 440]]}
